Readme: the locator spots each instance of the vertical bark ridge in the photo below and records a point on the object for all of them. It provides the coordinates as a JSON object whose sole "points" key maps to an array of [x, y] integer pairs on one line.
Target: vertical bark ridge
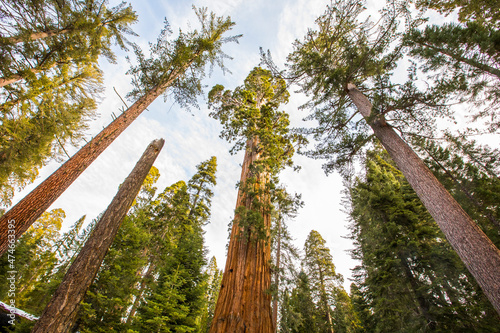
{"points": [[244, 303]]}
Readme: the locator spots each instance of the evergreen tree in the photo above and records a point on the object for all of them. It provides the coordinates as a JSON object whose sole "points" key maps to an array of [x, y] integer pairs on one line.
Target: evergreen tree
{"points": [[283, 252], [174, 300], [37, 36], [250, 117], [331, 63], [33, 256], [410, 279], [211, 295], [322, 278], [298, 311], [51, 49], [461, 61], [178, 65], [469, 171], [60, 314]]}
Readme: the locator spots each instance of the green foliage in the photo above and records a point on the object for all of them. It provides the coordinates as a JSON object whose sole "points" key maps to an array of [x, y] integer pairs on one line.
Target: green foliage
{"points": [[180, 64], [343, 50], [152, 278], [49, 55], [410, 280], [42, 257], [317, 301], [250, 112], [250, 118], [481, 11], [463, 62], [36, 123], [211, 295], [298, 311], [469, 171]]}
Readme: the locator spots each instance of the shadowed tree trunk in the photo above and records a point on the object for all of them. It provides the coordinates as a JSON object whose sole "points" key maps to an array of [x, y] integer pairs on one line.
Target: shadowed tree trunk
{"points": [[60, 314], [244, 304], [479, 254]]}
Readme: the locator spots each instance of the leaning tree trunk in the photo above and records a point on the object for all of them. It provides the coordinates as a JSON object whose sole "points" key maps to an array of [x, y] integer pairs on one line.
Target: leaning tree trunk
{"points": [[479, 254], [244, 303], [60, 314], [26, 211]]}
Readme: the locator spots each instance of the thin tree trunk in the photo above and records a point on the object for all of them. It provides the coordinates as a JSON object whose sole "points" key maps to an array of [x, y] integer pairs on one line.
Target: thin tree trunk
{"points": [[479, 254], [137, 300], [324, 300], [423, 304], [60, 314], [32, 206], [244, 302]]}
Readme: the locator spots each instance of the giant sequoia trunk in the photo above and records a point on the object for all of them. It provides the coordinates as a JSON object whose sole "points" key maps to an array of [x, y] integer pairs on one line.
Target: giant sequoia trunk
{"points": [[479, 254], [31, 207], [60, 313], [244, 303], [277, 275]]}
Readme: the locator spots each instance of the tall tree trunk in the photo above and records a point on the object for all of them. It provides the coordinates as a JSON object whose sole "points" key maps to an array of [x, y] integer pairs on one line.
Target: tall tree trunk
{"points": [[324, 300], [422, 302], [60, 313], [26, 211], [479, 254], [277, 275], [244, 303], [465, 190]]}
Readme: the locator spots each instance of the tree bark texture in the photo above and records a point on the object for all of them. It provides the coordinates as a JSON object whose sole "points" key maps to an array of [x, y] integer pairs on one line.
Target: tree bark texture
{"points": [[31, 207], [475, 249], [244, 303], [277, 275], [60, 314]]}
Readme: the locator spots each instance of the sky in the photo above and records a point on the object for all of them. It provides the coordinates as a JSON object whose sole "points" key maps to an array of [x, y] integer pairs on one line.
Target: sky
{"points": [[191, 136]]}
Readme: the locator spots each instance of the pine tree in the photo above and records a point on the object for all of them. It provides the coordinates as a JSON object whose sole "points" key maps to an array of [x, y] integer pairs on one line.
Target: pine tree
{"points": [[212, 293], [322, 277], [461, 61], [298, 312], [168, 68], [283, 252], [250, 117], [331, 63], [468, 170], [175, 299], [409, 278], [59, 315], [52, 49], [39, 36]]}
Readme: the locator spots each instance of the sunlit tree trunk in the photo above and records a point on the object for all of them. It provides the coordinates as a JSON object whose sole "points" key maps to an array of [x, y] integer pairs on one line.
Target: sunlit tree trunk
{"points": [[277, 275], [32, 206], [479, 254], [244, 303], [60, 314]]}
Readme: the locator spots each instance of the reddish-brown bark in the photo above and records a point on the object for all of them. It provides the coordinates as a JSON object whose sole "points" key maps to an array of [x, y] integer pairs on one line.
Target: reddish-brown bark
{"points": [[479, 254], [244, 302], [60, 313], [277, 275], [26, 211]]}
